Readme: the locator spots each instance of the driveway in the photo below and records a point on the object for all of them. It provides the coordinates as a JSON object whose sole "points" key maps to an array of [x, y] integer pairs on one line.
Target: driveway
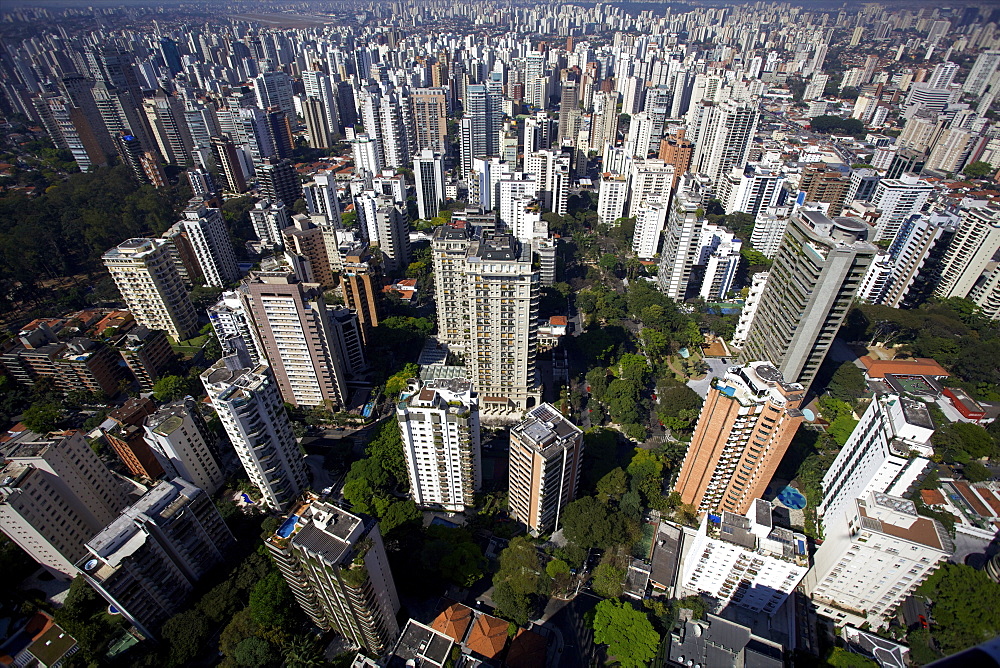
{"points": [[717, 369]]}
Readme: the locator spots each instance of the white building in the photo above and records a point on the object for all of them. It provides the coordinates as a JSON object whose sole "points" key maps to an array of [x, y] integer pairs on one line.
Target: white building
{"points": [[721, 260], [722, 136], [611, 198], [873, 558], [877, 279], [768, 231], [229, 319], [148, 280], [179, 438], [268, 220], [650, 220], [550, 168], [209, 239], [889, 451], [756, 289], [745, 560], [428, 173], [649, 179], [321, 197], [752, 190], [253, 414], [439, 421], [970, 251], [512, 191], [898, 199]]}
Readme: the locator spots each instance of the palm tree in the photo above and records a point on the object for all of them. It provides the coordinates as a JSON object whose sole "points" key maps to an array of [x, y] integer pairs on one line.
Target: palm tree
{"points": [[303, 652]]}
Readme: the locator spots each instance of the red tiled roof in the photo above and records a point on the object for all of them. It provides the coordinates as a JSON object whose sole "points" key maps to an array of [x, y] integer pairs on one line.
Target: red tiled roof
{"points": [[488, 636], [453, 621], [558, 320], [970, 497], [921, 366], [527, 650], [931, 497]]}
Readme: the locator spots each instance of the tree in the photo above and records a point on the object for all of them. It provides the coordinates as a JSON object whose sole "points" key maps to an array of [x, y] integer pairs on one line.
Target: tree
{"points": [[453, 555], [975, 471], [303, 652], [397, 382], [42, 418], [978, 169], [171, 388], [630, 637], [608, 262], [585, 522], [271, 601], [253, 651], [518, 581], [633, 368], [841, 658], [612, 485], [184, 635], [847, 383], [964, 606]]}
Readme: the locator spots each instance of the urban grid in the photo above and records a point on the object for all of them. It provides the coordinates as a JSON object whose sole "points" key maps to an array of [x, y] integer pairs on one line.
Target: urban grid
{"points": [[445, 334]]}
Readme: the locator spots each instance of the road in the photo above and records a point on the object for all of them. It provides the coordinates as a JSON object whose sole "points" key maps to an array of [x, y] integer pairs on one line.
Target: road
{"points": [[717, 369]]}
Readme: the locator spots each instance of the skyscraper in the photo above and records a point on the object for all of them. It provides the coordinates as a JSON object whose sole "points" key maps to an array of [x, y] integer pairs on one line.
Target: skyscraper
{"points": [[146, 561], [55, 494], [898, 199], [144, 271], [480, 125], [487, 300], [181, 441], [250, 408], [293, 327], [361, 283], [278, 181], [723, 137], [335, 564], [209, 239], [815, 276], [428, 173], [550, 168], [439, 421], [873, 558], [314, 114], [748, 420], [391, 232], [969, 252], [430, 118], [229, 319], [982, 71], [546, 452], [310, 241]]}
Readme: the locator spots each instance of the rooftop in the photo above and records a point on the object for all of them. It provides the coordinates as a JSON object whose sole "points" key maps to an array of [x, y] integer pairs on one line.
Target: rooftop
{"points": [[420, 645], [543, 426]]}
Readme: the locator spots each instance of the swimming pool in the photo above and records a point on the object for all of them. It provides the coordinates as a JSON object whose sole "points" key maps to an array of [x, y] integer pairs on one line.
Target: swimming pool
{"points": [[792, 498]]}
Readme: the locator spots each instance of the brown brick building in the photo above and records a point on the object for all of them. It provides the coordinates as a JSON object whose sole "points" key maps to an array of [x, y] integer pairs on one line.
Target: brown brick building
{"points": [[746, 424], [126, 438]]}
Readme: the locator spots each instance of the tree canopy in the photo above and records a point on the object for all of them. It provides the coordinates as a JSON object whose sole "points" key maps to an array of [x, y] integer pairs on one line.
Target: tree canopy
{"points": [[628, 633], [964, 609]]}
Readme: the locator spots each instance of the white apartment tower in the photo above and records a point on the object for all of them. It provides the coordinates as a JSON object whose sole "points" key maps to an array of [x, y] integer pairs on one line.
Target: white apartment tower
{"points": [[55, 494], [723, 137], [147, 278], [209, 238], [249, 405], [898, 199], [230, 319], [971, 249], [269, 219], [428, 173], [889, 452], [439, 421], [650, 220], [649, 179], [872, 558], [550, 168], [179, 438], [745, 560], [611, 198]]}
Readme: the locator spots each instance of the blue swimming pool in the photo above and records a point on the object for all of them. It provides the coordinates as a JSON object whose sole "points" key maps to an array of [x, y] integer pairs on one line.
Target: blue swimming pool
{"points": [[288, 526], [445, 523], [792, 498]]}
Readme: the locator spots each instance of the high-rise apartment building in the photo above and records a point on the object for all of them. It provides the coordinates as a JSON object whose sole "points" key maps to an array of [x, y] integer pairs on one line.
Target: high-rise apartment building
{"points": [[898, 199], [824, 185], [604, 122], [872, 558], [439, 421], [479, 129], [314, 114], [183, 444], [389, 229], [888, 452], [230, 161], [745, 560], [125, 438], [278, 181], [981, 73], [611, 198], [361, 283], [546, 453], [752, 189], [335, 564], [723, 135], [147, 560], [311, 242], [677, 151], [230, 319], [428, 174], [487, 300], [550, 167], [971, 248], [651, 180], [748, 420], [144, 271], [250, 408], [293, 328], [430, 118], [917, 251], [206, 232], [816, 273], [55, 494], [650, 220]]}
